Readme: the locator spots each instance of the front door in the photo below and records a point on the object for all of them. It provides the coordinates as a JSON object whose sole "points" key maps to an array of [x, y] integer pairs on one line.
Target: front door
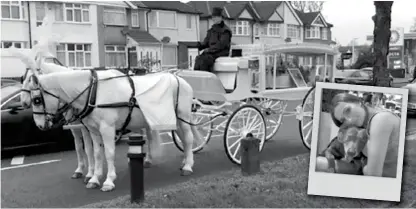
{"points": [[192, 53]]}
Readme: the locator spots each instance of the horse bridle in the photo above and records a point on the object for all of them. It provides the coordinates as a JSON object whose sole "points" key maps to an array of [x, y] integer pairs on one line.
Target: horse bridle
{"points": [[57, 118]]}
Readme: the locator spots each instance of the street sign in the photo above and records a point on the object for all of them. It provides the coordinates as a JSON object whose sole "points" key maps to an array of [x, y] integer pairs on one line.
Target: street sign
{"points": [[346, 55]]}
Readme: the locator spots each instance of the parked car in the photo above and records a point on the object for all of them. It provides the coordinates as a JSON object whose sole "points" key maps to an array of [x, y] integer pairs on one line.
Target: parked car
{"points": [[18, 127], [7, 81], [358, 77]]}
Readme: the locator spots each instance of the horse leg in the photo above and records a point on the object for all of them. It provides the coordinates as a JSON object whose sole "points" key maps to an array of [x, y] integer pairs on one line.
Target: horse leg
{"points": [[80, 154], [185, 132], [90, 153], [94, 182], [108, 133]]}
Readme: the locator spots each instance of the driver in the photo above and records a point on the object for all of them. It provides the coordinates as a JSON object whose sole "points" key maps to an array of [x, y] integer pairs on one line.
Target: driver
{"points": [[216, 43]]}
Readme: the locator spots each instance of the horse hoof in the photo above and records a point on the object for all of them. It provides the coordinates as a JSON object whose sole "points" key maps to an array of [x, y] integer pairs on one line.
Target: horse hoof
{"points": [[185, 173], [107, 188], [147, 164], [76, 175], [86, 180], [92, 185]]}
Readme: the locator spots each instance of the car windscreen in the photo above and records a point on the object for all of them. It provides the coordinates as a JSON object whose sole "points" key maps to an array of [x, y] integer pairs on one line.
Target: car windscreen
{"points": [[6, 91], [53, 60]]}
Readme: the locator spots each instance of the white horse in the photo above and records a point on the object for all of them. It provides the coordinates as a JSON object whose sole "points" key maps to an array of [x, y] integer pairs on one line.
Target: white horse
{"points": [[70, 87], [81, 136]]}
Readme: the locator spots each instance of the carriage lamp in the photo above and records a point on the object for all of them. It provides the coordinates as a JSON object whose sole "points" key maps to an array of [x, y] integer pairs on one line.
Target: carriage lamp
{"points": [[254, 74], [136, 159], [250, 155]]}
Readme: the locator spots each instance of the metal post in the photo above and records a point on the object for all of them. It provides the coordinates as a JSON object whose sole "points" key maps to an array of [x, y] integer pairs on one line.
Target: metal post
{"points": [[250, 155], [136, 159]]}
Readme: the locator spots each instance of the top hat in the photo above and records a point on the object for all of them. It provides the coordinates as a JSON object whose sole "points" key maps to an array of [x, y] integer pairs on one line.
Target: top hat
{"points": [[217, 12]]}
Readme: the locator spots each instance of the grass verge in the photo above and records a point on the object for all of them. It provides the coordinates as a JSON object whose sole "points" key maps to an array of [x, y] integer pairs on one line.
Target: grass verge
{"points": [[281, 184]]}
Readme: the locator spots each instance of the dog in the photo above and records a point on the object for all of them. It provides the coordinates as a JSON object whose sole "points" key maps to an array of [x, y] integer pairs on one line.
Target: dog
{"points": [[347, 146]]}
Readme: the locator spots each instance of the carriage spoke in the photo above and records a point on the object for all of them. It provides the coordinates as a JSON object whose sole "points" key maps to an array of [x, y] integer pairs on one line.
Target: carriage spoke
{"points": [[308, 134], [236, 150], [308, 124], [236, 142]]}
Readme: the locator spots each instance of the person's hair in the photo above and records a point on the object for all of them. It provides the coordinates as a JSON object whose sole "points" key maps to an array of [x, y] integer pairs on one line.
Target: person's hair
{"points": [[342, 97]]}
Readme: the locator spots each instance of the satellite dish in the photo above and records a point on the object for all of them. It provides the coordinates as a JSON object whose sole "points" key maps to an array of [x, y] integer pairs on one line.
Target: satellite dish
{"points": [[165, 39]]}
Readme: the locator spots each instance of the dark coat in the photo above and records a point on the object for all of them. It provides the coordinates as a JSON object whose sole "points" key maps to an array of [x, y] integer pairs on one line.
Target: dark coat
{"points": [[218, 40]]}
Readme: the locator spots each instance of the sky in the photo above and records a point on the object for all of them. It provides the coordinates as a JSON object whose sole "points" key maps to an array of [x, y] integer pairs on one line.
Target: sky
{"points": [[352, 18]]}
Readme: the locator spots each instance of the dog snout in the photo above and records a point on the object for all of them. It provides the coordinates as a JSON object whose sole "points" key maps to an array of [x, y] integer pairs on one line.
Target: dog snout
{"points": [[351, 152]]}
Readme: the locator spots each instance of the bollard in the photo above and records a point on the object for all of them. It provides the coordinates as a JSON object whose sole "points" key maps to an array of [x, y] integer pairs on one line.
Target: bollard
{"points": [[250, 155], [136, 159]]}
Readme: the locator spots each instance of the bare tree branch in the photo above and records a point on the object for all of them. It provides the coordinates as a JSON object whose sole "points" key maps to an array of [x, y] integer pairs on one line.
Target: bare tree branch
{"points": [[413, 27], [308, 6]]}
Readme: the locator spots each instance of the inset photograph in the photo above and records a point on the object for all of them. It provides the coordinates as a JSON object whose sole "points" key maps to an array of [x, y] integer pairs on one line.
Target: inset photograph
{"points": [[358, 141]]}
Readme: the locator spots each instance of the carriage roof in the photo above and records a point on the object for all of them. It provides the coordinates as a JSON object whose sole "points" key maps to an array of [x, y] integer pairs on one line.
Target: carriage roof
{"points": [[289, 48]]}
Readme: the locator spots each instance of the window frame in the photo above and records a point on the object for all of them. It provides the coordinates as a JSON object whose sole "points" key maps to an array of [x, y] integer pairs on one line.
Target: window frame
{"points": [[116, 51], [235, 25], [115, 10], [274, 26], [324, 31], [67, 52], [133, 13], [157, 14], [316, 32], [45, 7], [71, 6], [10, 4], [23, 44], [293, 28], [188, 20]]}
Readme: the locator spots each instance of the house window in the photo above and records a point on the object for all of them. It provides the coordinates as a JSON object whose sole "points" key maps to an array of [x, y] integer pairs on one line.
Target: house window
{"points": [[293, 31], [16, 44], [169, 57], [163, 19], [188, 21], [135, 19], [12, 10], [77, 12], [74, 55], [313, 32], [114, 16], [324, 33], [273, 29], [40, 12], [256, 29], [115, 56], [240, 28]]}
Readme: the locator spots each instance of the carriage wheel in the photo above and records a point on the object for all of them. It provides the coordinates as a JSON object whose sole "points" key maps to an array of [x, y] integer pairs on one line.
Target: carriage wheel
{"points": [[202, 133], [306, 118], [246, 119], [272, 111]]}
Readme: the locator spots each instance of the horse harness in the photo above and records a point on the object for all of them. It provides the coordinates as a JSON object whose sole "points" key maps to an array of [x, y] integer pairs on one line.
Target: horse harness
{"points": [[57, 118]]}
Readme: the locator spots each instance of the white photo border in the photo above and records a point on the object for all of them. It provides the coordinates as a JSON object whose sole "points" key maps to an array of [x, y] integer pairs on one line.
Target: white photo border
{"points": [[360, 187]]}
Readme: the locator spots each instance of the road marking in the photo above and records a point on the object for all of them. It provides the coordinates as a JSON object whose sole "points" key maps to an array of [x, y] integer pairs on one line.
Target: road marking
{"points": [[18, 160], [28, 165]]}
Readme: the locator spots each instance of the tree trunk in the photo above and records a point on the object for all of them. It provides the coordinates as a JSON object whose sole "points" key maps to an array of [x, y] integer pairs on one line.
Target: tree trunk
{"points": [[382, 33]]}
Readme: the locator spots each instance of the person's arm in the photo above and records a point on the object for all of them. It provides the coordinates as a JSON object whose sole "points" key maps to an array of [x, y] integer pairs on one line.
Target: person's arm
{"points": [[380, 131], [222, 44], [204, 44]]}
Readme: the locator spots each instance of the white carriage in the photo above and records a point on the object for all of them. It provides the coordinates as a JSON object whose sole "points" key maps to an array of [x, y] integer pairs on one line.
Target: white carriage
{"points": [[252, 92]]}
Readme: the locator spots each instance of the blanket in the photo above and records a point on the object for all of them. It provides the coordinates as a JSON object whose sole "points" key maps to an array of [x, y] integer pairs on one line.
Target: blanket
{"points": [[156, 95]]}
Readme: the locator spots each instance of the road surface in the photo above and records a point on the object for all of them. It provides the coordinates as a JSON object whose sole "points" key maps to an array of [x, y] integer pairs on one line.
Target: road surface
{"points": [[49, 185]]}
